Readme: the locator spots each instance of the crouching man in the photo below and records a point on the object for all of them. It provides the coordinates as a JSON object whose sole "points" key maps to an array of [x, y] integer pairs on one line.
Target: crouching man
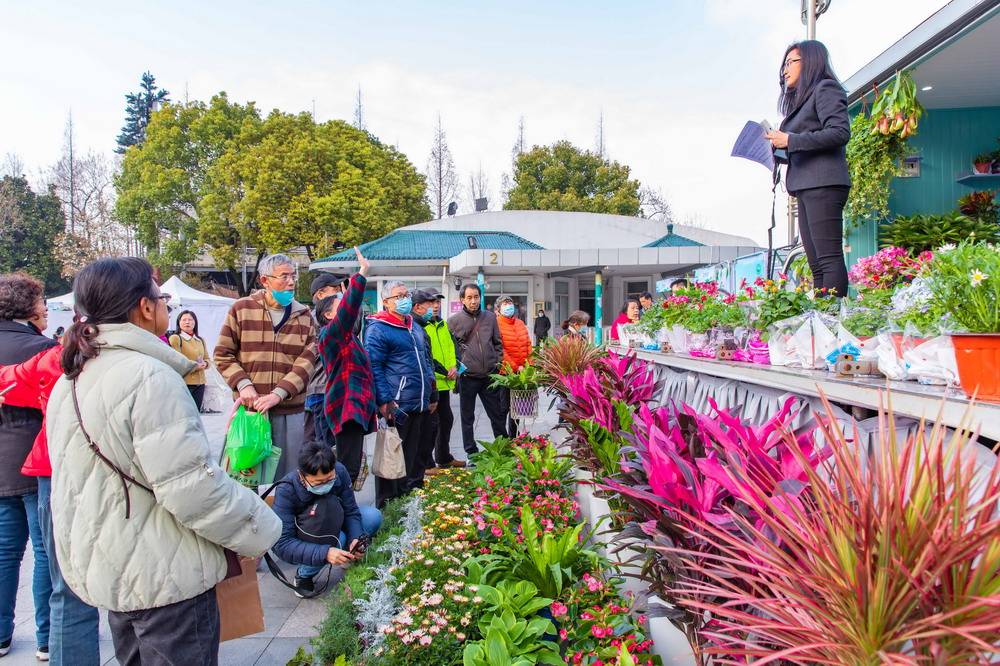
{"points": [[321, 522]]}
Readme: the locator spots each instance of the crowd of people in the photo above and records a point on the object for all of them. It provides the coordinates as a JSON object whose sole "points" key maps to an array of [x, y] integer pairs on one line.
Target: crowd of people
{"points": [[107, 467]]}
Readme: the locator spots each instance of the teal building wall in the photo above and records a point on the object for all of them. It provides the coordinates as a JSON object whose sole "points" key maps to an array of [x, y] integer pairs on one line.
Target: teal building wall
{"points": [[947, 141]]}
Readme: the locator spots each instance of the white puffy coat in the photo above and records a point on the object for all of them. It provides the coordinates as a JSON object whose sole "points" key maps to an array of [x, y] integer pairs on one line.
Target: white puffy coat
{"points": [[138, 410]]}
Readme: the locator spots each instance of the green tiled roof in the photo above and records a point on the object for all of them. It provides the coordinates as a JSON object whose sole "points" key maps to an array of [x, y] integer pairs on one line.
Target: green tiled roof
{"points": [[673, 240], [414, 244]]}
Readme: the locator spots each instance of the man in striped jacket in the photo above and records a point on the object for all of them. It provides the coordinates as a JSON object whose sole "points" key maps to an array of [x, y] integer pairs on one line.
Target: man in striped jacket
{"points": [[266, 354]]}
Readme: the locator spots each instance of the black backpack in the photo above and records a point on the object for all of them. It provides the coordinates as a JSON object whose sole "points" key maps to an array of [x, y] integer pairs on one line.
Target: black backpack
{"points": [[320, 523]]}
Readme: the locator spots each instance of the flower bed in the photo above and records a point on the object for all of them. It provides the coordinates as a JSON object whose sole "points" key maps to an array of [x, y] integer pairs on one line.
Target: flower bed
{"points": [[499, 571]]}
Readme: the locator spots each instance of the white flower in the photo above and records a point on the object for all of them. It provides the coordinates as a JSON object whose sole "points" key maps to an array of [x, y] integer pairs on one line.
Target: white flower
{"points": [[977, 277], [946, 247]]}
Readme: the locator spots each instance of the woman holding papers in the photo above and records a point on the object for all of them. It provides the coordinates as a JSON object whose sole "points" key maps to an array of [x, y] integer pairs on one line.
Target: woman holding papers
{"points": [[814, 133]]}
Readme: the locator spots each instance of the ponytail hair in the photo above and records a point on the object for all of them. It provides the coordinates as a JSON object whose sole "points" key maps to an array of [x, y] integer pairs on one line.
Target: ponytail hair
{"points": [[105, 292]]}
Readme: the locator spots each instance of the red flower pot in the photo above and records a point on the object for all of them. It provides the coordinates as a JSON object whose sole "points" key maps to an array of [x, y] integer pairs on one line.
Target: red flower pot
{"points": [[982, 167], [978, 360]]}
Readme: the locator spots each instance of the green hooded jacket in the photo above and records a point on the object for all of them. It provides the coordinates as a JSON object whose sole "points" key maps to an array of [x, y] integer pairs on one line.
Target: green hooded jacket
{"points": [[443, 351]]}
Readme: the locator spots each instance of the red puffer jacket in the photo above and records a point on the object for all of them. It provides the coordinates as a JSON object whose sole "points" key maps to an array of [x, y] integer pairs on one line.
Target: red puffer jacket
{"points": [[33, 381], [516, 341]]}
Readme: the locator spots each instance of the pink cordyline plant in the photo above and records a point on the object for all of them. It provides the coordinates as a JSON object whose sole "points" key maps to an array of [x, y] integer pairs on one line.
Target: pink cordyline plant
{"points": [[890, 554]]}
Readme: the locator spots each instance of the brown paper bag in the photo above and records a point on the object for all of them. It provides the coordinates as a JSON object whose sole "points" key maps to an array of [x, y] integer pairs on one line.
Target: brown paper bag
{"points": [[240, 610]]}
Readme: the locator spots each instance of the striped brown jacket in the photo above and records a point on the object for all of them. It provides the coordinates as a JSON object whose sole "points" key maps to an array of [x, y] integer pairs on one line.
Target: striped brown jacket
{"points": [[250, 349]]}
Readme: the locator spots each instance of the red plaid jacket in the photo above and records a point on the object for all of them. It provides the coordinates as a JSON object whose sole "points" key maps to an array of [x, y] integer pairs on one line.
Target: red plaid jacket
{"points": [[350, 388]]}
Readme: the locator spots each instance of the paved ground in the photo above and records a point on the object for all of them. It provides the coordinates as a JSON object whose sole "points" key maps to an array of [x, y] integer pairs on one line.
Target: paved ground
{"points": [[289, 621]]}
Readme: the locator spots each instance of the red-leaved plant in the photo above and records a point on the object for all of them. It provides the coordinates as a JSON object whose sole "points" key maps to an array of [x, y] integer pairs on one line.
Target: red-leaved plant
{"points": [[888, 555], [691, 469]]}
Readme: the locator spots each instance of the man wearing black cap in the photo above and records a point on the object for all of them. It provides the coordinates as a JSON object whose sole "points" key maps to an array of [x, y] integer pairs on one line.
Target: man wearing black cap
{"points": [[323, 285], [427, 312]]}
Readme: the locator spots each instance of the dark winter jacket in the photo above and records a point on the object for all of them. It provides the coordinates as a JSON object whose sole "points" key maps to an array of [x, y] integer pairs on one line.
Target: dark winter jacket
{"points": [[481, 350], [291, 497], [19, 426], [401, 362], [542, 327], [818, 131]]}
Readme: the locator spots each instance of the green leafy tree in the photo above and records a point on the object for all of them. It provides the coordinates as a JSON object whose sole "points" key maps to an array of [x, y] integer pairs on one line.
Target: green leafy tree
{"points": [[564, 177], [139, 109], [163, 182], [218, 178], [316, 184], [29, 225]]}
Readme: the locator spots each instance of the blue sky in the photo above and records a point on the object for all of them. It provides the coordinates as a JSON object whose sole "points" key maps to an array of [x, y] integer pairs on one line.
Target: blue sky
{"points": [[675, 79]]}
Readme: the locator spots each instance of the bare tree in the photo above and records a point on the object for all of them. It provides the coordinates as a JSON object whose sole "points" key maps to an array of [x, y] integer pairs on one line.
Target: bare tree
{"points": [[654, 204], [479, 186], [85, 186], [12, 166], [519, 144], [359, 111], [600, 134], [696, 220], [442, 183]]}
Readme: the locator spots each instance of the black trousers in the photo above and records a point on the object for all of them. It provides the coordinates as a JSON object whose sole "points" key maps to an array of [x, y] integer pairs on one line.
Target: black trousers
{"points": [[443, 421], [821, 227], [497, 409], [417, 434], [350, 442], [198, 393], [186, 632]]}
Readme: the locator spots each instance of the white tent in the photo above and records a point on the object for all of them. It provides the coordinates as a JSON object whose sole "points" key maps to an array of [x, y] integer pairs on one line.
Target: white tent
{"points": [[210, 309]]}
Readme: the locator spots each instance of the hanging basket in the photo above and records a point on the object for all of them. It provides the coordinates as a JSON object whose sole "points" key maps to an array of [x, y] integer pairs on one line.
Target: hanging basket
{"points": [[524, 404]]}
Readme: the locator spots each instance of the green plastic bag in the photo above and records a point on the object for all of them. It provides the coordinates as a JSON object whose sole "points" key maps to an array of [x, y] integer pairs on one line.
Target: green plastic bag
{"points": [[248, 440]]}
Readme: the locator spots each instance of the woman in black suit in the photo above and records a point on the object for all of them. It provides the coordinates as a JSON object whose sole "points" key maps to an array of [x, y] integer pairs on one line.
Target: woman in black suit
{"points": [[814, 133]]}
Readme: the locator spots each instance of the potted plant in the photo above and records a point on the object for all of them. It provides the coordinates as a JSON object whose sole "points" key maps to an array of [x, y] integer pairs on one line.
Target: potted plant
{"points": [[966, 280], [982, 163], [523, 386], [917, 233], [980, 206]]}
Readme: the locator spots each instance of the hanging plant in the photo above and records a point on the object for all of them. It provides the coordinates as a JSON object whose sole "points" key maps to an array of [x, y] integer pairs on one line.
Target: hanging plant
{"points": [[878, 143]]}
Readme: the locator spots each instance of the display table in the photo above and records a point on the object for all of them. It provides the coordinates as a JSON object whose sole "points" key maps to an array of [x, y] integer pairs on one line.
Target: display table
{"points": [[934, 403]]}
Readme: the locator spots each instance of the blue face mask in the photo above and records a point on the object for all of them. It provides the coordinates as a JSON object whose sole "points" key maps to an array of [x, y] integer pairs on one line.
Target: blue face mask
{"points": [[582, 330], [404, 305], [284, 298], [508, 310], [321, 489], [426, 317]]}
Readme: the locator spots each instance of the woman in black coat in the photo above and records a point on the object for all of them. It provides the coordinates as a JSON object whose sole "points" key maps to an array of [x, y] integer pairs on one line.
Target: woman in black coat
{"points": [[814, 133]]}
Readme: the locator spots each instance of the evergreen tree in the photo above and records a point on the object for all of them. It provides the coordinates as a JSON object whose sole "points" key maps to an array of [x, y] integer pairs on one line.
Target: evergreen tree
{"points": [[138, 109], [29, 226]]}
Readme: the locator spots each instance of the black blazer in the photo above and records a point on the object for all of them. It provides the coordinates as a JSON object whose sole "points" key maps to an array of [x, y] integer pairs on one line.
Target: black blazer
{"points": [[818, 131]]}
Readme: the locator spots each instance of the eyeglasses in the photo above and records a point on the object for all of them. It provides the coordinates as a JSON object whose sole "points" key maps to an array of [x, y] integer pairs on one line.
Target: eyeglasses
{"points": [[391, 298], [788, 63], [163, 297], [286, 277]]}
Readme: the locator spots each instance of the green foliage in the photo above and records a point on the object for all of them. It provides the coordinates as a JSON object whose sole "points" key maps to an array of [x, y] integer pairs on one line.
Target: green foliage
{"points": [[219, 178], [605, 445], [564, 177], [917, 233], [873, 161], [29, 224], [494, 460], [548, 561], [543, 463], [509, 641], [925, 319], [781, 305], [518, 597], [528, 378], [865, 322], [138, 110], [966, 280]]}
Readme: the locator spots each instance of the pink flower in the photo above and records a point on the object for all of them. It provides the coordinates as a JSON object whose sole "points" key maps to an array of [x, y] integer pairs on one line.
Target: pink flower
{"points": [[426, 640], [558, 609], [563, 634], [497, 532]]}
